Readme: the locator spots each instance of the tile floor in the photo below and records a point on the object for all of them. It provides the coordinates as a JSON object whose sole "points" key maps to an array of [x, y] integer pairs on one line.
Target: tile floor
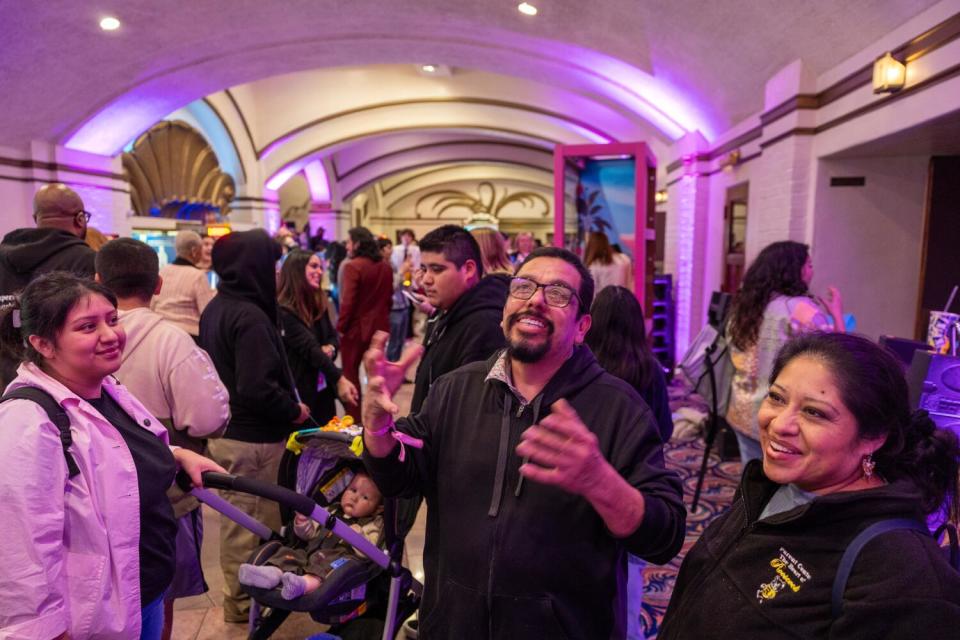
{"points": [[201, 617]]}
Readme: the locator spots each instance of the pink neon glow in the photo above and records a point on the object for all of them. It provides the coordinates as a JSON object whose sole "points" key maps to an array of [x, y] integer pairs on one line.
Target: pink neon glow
{"points": [[595, 75], [317, 181], [280, 178]]}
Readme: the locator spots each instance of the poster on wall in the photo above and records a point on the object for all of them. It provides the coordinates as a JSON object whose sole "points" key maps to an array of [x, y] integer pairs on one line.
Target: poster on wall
{"points": [[606, 203]]}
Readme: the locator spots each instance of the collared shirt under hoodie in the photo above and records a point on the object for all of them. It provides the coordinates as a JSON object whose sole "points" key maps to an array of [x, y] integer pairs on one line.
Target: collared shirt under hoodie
{"points": [[511, 559], [772, 578]]}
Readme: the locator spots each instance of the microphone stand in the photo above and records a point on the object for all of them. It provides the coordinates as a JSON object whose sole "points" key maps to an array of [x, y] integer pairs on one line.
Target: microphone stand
{"points": [[713, 425]]}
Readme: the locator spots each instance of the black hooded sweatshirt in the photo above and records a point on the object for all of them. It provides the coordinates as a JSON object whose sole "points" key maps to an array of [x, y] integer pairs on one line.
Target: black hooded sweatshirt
{"points": [[27, 253], [773, 578], [239, 329], [505, 559], [468, 332]]}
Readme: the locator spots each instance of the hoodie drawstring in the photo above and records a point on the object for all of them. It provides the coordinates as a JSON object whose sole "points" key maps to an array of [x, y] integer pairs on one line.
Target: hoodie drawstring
{"points": [[502, 454], [536, 418]]}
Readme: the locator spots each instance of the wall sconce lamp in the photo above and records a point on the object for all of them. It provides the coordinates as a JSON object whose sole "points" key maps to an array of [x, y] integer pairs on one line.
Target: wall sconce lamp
{"points": [[660, 197], [730, 161], [889, 74]]}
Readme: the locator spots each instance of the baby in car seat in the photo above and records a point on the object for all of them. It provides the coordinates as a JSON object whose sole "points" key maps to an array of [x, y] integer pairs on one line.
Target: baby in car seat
{"points": [[302, 571]]}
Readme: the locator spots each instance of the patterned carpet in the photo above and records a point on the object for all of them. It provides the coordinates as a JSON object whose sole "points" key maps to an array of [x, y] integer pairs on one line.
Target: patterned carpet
{"points": [[720, 483]]}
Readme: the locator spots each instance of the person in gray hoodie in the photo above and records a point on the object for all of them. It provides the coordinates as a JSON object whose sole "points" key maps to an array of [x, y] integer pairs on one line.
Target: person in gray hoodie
{"points": [[176, 380]]}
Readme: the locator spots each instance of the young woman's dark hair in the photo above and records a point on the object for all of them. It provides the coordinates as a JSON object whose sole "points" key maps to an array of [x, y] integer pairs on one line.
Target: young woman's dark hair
{"points": [[777, 270], [618, 337], [293, 291], [364, 244], [873, 388], [42, 310]]}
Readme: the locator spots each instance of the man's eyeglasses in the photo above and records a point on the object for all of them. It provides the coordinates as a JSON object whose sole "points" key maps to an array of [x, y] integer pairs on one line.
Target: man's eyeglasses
{"points": [[555, 294], [86, 215]]}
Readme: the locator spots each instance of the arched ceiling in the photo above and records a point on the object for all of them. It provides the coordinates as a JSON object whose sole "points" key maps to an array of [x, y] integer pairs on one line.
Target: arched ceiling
{"points": [[668, 66]]}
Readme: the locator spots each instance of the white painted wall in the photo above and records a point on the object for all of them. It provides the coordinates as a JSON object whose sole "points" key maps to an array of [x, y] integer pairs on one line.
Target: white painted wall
{"points": [[867, 240]]}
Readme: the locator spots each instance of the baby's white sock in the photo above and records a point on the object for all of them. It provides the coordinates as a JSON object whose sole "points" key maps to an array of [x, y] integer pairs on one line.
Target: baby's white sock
{"points": [[263, 576], [294, 586]]}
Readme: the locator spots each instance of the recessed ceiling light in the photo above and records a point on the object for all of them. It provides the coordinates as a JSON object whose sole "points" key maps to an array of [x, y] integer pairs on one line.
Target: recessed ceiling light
{"points": [[109, 24], [434, 70], [527, 9]]}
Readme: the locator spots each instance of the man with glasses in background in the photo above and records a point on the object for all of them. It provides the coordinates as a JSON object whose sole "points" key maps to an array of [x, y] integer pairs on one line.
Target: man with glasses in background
{"points": [[540, 471], [56, 244]]}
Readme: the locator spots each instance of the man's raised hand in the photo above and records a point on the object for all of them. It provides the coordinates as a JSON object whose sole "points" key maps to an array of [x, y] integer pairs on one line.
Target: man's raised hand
{"points": [[560, 450]]}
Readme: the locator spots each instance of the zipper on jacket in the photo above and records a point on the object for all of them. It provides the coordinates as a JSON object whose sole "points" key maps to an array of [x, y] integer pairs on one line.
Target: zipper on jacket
{"points": [[707, 573]]}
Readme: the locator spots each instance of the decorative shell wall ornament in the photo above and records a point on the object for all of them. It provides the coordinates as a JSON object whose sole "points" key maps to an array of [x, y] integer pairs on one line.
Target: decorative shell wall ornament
{"points": [[174, 173], [485, 202]]}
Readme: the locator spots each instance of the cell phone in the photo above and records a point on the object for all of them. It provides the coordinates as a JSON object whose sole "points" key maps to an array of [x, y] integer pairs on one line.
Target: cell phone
{"points": [[415, 299]]}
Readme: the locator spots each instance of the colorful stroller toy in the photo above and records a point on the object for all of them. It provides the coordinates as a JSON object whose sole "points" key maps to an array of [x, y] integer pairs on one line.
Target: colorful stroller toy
{"points": [[363, 598]]}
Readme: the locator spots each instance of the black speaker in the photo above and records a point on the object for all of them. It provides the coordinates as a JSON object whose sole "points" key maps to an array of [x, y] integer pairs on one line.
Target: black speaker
{"points": [[719, 309], [934, 382]]}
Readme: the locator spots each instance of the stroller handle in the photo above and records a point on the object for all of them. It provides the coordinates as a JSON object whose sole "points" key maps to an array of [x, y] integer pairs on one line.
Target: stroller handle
{"points": [[213, 480]]}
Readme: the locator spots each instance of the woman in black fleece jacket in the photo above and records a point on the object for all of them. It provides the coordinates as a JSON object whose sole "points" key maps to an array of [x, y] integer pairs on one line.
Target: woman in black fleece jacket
{"points": [[841, 452]]}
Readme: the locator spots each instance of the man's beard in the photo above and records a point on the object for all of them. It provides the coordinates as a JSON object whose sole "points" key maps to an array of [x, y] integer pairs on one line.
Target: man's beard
{"points": [[521, 350]]}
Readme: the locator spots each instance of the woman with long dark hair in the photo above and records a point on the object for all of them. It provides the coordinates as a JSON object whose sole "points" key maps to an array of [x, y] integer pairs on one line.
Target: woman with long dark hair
{"points": [[309, 338], [772, 306], [842, 453], [618, 339], [88, 531], [366, 290]]}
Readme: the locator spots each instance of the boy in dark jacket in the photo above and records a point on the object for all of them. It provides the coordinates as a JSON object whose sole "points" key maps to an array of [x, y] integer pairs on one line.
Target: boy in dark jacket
{"points": [[540, 471], [239, 331], [466, 325]]}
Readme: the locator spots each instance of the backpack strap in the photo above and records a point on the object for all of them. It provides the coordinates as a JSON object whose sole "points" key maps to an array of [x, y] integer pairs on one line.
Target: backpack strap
{"points": [[57, 415], [854, 548]]}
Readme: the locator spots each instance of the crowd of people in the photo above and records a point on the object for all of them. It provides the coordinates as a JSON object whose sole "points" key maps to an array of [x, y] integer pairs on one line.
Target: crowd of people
{"points": [[535, 435]]}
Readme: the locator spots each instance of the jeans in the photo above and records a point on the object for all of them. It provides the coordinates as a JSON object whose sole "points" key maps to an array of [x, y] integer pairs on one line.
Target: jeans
{"points": [[635, 567], [399, 320], [151, 620], [749, 448]]}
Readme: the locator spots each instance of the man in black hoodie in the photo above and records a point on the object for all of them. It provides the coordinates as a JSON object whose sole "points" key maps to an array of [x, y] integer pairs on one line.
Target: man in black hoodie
{"points": [[55, 245], [540, 471], [466, 325], [239, 329]]}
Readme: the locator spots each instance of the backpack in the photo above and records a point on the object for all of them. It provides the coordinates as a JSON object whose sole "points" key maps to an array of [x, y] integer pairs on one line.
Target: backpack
{"points": [[871, 532], [56, 414]]}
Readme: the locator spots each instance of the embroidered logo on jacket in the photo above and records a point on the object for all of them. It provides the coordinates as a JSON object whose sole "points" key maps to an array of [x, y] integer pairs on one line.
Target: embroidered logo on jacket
{"points": [[789, 574]]}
